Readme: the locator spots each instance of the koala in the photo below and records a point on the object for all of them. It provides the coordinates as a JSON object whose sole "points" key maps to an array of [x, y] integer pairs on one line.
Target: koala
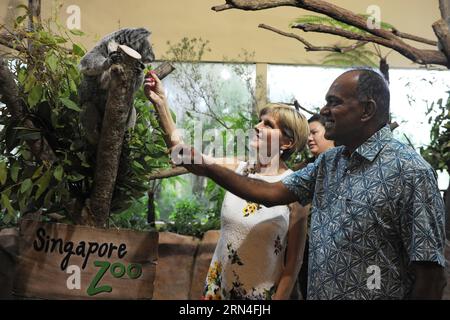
{"points": [[95, 66]]}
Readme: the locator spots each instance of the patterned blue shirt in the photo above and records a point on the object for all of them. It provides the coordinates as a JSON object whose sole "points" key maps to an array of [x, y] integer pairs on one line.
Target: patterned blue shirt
{"points": [[373, 213]]}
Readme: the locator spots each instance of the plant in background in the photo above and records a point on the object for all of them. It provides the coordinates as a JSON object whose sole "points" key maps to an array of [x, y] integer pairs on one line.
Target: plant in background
{"points": [[191, 217], [437, 153]]}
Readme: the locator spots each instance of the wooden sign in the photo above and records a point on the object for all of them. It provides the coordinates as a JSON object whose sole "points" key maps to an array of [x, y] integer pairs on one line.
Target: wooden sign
{"points": [[59, 261]]}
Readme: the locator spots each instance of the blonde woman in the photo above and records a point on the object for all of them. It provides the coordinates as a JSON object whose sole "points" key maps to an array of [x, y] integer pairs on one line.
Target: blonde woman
{"points": [[260, 249]]}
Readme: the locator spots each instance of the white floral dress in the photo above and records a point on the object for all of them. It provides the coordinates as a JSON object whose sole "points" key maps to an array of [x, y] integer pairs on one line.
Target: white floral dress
{"points": [[249, 257]]}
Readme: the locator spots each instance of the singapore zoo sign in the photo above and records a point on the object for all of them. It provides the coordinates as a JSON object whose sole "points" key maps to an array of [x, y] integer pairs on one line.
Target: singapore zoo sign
{"points": [[59, 261]]}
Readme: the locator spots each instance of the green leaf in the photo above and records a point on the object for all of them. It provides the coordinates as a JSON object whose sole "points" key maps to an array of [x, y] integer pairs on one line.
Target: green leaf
{"points": [[15, 171], [75, 177], [38, 172], [58, 173], [77, 50], [48, 197], [77, 32], [138, 165], [22, 76], [52, 62], [43, 183], [70, 104], [26, 184], [29, 83], [60, 39], [46, 38], [3, 173], [35, 95], [6, 204]]}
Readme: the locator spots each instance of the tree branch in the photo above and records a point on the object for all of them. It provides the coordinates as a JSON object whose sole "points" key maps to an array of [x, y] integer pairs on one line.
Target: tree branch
{"points": [[319, 6], [253, 4], [414, 54], [9, 41], [444, 7], [380, 36], [442, 31], [34, 14], [308, 45], [414, 38], [163, 174]]}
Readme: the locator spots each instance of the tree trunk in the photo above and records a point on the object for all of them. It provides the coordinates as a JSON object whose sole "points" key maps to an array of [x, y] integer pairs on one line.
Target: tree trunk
{"points": [[118, 106], [119, 103]]}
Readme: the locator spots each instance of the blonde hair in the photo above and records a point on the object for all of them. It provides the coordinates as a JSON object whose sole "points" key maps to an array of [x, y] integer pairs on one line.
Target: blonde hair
{"points": [[293, 124]]}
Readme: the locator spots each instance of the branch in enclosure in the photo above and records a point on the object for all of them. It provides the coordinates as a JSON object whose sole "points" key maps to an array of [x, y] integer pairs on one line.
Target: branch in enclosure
{"points": [[380, 36], [308, 45], [164, 70], [168, 173], [8, 40], [414, 38], [297, 105], [444, 7], [412, 53], [442, 31]]}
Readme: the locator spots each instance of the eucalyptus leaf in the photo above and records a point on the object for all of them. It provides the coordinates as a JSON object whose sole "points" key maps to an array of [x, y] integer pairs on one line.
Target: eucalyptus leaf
{"points": [[58, 173], [77, 32], [70, 104], [52, 62], [26, 184], [3, 172], [43, 183], [77, 50], [15, 171], [35, 95]]}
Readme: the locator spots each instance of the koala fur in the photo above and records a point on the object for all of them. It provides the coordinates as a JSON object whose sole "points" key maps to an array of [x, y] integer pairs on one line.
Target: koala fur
{"points": [[95, 66]]}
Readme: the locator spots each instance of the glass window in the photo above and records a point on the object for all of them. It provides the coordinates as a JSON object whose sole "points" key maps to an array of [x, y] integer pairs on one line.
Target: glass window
{"points": [[412, 93]]}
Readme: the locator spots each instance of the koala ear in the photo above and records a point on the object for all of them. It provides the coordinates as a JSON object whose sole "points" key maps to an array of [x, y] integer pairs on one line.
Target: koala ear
{"points": [[112, 46], [143, 32]]}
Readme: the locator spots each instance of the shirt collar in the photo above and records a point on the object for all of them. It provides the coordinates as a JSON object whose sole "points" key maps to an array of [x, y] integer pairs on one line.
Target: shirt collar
{"points": [[375, 143]]}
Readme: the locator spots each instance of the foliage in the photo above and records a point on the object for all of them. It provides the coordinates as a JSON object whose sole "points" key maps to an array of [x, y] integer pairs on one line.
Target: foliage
{"points": [[191, 217], [360, 56], [438, 152], [47, 76], [328, 21]]}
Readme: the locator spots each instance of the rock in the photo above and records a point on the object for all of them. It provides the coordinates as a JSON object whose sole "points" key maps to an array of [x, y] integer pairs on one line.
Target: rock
{"points": [[174, 267]]}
